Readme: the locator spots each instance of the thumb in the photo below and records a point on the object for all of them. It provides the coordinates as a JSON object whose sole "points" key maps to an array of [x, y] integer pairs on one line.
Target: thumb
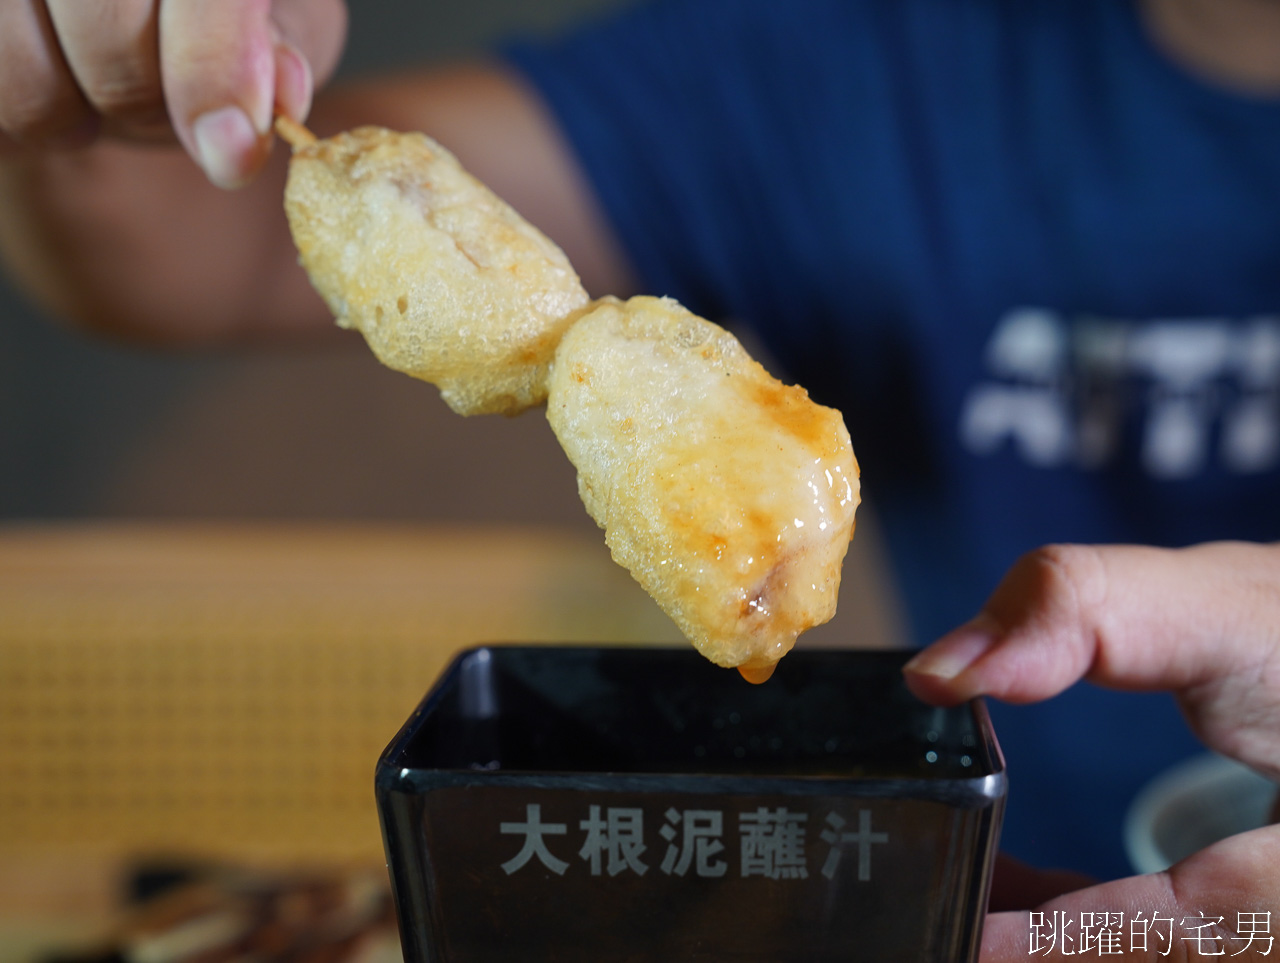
{"points": [[1217, 902], [217, 64], [228, 66]]}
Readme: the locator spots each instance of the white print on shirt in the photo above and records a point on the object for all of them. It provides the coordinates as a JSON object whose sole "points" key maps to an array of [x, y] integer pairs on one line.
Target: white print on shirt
{"points": [[1207, 390]]}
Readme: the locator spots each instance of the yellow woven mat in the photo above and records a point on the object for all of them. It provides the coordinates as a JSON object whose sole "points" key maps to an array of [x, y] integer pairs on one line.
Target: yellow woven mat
{"points": [[226, 691]]}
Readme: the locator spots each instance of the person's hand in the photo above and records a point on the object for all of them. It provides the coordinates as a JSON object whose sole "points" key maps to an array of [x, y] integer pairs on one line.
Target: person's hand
{"points": [[210, 72], [1203, 622]]}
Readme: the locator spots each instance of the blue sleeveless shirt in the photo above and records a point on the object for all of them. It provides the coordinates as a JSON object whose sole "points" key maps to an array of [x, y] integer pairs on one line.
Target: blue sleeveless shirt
{"points": [[1035, 264]]}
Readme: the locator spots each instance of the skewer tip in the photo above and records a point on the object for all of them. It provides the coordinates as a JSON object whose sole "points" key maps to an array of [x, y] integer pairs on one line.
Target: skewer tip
{"points": [[295, 134]]}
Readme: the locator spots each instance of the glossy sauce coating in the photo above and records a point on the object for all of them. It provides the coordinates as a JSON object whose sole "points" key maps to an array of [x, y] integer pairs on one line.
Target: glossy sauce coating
{"points": [[729, 495]]}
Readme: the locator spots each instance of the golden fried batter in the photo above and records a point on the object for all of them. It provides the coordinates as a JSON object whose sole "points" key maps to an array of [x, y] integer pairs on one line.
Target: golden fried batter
{"points": [[446, 282], [727, 494]]}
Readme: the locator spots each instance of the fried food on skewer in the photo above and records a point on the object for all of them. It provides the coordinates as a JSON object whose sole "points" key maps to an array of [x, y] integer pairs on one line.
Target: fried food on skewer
{"points": [[728, 495], [445, 281]]}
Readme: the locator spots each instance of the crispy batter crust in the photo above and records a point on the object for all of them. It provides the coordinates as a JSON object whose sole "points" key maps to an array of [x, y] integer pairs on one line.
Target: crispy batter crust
{"points": [[446, 282], [727, 494]]}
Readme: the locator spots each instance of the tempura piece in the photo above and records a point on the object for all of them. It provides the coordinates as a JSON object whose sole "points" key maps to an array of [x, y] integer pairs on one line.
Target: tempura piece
{"points": [[446, 282], [728, 495]]}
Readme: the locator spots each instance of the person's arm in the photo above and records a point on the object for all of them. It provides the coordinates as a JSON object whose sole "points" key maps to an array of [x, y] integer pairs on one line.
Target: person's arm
{"points": [[1202, 622], [135, 241]]}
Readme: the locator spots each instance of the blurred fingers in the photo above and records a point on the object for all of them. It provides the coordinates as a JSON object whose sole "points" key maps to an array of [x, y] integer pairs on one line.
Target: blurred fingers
{"points": [[113, 51], [40, 102], [228, 66], [315, 30], [211, 74]]}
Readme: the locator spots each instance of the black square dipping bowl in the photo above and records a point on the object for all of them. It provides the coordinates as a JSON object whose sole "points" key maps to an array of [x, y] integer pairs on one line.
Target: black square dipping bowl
{"points": [[610, 804]]}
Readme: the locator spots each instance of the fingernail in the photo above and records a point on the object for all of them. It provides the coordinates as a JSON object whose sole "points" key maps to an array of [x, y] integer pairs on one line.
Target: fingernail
{"points": [[293, 82], [954, 653], [225, 141]]}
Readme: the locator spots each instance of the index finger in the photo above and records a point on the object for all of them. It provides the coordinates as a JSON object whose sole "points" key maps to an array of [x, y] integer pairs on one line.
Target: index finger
{"points": [[1123, 616]]}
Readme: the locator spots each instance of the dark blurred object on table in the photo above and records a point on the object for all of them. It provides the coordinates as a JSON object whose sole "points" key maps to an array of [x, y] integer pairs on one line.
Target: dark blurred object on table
{"points": [[222, 915]]}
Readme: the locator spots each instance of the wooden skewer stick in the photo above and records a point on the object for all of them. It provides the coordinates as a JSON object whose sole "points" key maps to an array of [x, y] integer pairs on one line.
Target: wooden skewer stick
{"points": [[293, 132]]}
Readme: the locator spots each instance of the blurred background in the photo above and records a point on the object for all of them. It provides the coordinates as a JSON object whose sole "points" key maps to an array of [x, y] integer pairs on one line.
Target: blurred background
{"points": [[225, 580], [94, 430], [91, 429]]}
